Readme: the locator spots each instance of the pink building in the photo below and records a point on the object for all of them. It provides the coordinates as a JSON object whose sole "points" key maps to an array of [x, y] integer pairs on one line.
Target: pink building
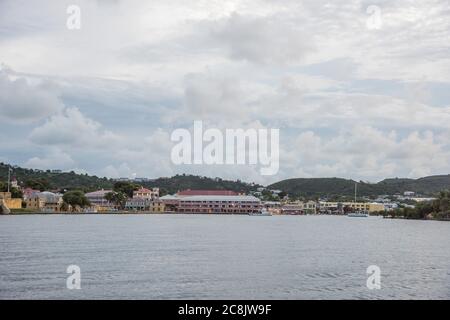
{"points": [[211, 201]]}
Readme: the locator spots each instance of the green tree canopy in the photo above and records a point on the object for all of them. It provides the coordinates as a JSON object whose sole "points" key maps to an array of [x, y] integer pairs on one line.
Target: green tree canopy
{"points": [[118, 198], [76, 198], [15, 193], [126, 187], [38, 184]]}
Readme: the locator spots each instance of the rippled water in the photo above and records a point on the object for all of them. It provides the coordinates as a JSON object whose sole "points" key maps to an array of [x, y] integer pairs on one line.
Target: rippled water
{"points": [[222, 257]]}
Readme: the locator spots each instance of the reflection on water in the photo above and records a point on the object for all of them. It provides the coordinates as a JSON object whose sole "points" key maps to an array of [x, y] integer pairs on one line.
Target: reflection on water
{"points": [[222, 257]]}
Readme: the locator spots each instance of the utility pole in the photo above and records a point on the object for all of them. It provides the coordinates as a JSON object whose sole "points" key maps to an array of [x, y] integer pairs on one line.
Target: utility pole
{"points": [[9, 177]]}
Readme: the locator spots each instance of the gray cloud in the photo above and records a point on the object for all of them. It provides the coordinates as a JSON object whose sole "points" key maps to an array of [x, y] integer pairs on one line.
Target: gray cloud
{"points": [[349, 101], [22, 102]]}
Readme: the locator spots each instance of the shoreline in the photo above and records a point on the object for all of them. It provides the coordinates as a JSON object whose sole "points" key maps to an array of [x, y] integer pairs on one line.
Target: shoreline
{"points": [[188, 214]]}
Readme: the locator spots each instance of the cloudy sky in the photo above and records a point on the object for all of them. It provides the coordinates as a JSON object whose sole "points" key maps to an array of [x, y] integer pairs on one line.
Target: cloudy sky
{"points": [[359, 89]]}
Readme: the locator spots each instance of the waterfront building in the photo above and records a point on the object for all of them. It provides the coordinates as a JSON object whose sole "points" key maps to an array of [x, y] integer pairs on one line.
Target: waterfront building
{"points": [[45, 202], [211, 201], [299, 207], [341, 207], [145, 204], [170, 202], [157, 206], [28, 193], [144, 193], [190, 192], [138, 204], [292, 209], [274, 207], [9, 202], [219, 204]]}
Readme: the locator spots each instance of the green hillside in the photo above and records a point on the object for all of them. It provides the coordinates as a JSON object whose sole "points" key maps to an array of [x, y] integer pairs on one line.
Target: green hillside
{"points": [[46, 180], [305, 187], [183, 182], [316, 187]]}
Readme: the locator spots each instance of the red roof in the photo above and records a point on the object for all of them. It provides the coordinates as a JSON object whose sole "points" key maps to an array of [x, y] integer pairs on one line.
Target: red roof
{"points": [[207, 193]]}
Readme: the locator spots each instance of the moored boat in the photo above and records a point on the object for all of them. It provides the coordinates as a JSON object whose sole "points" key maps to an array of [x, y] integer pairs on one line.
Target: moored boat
{"points": [[263, 213], [358, 215]]}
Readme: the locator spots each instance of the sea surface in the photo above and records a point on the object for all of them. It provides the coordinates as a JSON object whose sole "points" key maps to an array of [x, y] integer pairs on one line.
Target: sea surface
{"points": [[222, 257]]}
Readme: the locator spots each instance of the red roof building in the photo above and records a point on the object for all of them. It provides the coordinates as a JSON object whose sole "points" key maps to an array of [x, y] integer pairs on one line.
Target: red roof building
{"points": [[190, 192]]}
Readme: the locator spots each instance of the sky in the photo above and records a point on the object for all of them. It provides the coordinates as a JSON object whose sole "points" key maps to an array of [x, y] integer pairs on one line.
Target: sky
{"points": [[358, 89]]}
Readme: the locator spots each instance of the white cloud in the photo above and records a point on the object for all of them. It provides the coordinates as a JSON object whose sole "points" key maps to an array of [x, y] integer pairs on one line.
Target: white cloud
{"points": [[54, 159], [137, 70], [72, 129], [267, 40]]}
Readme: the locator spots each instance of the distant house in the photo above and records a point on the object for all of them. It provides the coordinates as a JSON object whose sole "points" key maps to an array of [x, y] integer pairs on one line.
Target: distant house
{"points": [[28, 193], [144, 193], [211, 201], [45, 202], [145, 204], [340, 207], [14, 183], [138, 204]]}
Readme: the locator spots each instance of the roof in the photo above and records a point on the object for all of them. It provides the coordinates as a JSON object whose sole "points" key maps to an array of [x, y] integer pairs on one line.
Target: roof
{"points": [[219, 198], [207, 193], [169, 197], [48, 197], [142, 190], [98, 193]]}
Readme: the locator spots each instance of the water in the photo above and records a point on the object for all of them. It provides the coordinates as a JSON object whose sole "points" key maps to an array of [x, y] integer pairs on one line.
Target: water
{"points": [[222, 257]]}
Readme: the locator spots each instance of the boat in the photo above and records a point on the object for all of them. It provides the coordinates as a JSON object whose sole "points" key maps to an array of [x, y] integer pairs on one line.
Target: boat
{"points": [[263, 213], [358, 215]]}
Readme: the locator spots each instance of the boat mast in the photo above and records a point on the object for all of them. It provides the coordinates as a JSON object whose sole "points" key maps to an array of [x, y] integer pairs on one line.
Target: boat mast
{"points": [[356, 187]]}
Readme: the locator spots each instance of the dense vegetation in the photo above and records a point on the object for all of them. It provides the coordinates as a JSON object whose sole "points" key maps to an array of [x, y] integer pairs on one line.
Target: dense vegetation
{"points": [[183, 182], [301, 187], [75, 198], [15, 193], [330, 187], [46, 180], [437, 209]]}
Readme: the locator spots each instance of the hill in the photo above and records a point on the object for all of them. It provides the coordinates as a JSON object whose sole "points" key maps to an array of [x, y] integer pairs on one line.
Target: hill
{"points": [[316, 187], [49, 180], [306, 187], [183, 182]]}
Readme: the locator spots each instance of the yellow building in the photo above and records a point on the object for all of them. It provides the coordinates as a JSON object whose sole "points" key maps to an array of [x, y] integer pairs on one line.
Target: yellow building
{"points": [[45, 202], [355, 206], [35, 203], [157, 206]]}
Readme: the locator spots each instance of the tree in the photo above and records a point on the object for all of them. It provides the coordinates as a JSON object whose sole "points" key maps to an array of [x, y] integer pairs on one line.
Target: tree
{"points": [[39, 184], [118, 198], [126, 188], [75, 199]]}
